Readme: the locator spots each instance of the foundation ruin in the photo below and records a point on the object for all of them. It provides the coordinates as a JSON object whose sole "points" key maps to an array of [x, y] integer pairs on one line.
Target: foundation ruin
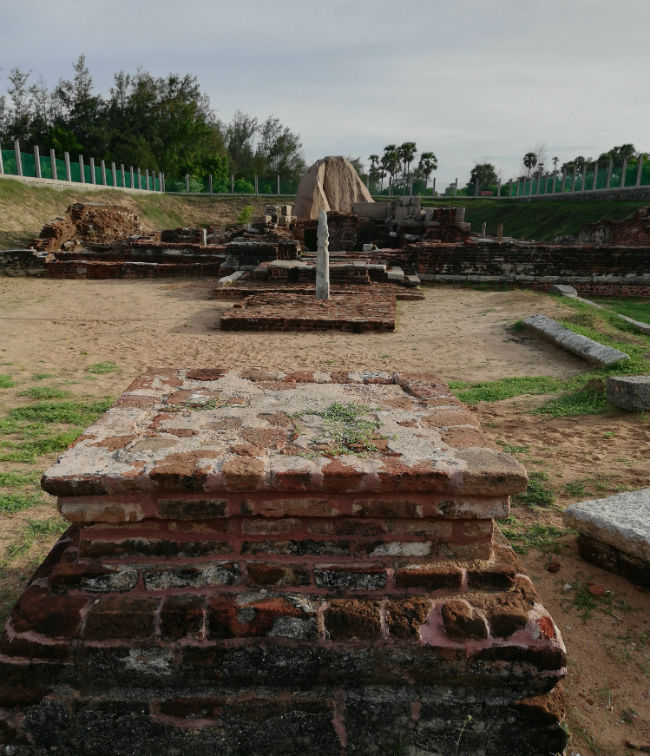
{"points": [[273, 564]]}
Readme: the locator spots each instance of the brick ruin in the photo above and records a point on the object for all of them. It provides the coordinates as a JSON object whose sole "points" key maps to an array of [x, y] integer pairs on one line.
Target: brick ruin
{"points": [[271, 564], [397, 242]]}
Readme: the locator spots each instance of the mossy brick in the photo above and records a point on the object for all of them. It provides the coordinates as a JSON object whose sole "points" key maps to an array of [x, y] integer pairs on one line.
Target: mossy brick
{"points": [[191, 509], [344, 578], [146, 547], [121, 617], [191, 576], [297, 548]]}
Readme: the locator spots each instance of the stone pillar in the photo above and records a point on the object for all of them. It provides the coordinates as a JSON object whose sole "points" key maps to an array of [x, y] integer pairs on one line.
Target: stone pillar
{"points": [[187, 183], [610, 166], [139, 177], [161, 181], [114, 172], [81, 169], [103, 169], [256, 185], [573, 180], [278, 184], [210, 183], [2, 164], [322, 258], [132, 176], [232, 183], [123, 172], [639, 169], [93, 177], [594, 186], [37, 162], [433, 188], [53, 164], [623, 172], [499, 232]]}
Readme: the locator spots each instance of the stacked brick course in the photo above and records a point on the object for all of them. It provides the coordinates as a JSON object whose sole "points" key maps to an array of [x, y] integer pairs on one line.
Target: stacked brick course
{"points": [[274, 564]]}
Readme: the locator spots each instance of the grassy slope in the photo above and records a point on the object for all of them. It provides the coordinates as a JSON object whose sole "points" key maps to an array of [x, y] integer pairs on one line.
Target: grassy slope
{"points": [[541, 220], [24, 208]]}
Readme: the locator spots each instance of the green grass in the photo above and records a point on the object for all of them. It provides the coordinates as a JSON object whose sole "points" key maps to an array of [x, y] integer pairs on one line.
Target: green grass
{"points": [[582, 402], [586, 603], [536, 493], [6, 381], [638, 309], [27, 451], [347, 428], [72, 412], [18, 479], [16, 502], [36, 531], [102, 367], [41, 376], [44, 392], [545, 538], [512, 448], [494, 391]]}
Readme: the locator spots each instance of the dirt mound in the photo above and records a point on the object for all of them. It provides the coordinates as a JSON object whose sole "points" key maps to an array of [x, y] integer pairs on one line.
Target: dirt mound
{"points": [[87, 225], [330, 184]]}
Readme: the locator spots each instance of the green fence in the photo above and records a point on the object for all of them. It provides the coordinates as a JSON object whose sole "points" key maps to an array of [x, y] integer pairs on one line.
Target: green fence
{"points": [[245, 185], [120, 178], [622, 176]]}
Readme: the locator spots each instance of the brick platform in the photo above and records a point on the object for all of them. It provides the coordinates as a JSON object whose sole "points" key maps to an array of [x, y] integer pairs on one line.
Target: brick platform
{"points": [[370, 309], [245, 287], [265, 564]]}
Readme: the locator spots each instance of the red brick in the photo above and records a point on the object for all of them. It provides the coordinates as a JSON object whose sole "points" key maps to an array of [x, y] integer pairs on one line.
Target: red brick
{"points": [[349, 619], [405, 617], [113, 617], [181, 616], [42, 612], [428, 577], [462, 622], [243, 473], [261, 573]]}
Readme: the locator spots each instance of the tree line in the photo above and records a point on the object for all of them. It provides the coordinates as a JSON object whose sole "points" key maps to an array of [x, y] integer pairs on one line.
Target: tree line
{"points": [[394, 167], [162, 123]]}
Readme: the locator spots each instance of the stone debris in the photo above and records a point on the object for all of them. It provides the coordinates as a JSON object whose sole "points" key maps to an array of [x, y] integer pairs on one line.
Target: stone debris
{"points": [[615, 532], [588, 349], [331, 183], [292, 564], [629, 392]]}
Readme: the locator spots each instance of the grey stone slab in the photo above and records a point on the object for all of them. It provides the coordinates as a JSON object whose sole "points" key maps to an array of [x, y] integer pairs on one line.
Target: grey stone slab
{"points": [[589, 350], [564, 290], [622, 521], [629, 392]]}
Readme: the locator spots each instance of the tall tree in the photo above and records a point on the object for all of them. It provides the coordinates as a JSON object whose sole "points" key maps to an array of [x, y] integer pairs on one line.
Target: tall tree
{"points": [[482, 174], [390, 162], [427, 164], [530, 161], [406, 152]]}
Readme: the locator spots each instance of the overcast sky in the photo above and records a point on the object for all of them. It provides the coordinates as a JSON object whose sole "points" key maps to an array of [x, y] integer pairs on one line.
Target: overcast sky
{"points": [[471, 80]]}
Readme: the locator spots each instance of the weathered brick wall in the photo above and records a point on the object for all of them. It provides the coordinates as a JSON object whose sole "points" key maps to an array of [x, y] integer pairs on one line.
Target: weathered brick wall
{"points": [[227, 586]]}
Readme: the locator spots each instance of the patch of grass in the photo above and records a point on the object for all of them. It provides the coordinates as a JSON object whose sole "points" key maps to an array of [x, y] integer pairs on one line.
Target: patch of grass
{"points": [[536, 493], [545, 538], [41, 376], [72, 412], [575, 488], [44, 392], [6, 381], [16, 502], [636, 308], [348, 429], [512, 448], [493, 391], [27, 451], [583, 402], [35, 531], [18, 479], [586, 603], [102, 367]]}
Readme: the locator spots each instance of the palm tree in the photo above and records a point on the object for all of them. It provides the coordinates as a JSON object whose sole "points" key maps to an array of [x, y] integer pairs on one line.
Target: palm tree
{"points": [[428, 163], [406, 152], [555, 161], [390, 161], [530, 161]]}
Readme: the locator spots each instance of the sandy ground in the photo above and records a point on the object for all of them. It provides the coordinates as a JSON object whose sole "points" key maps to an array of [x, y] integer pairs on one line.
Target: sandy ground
{"points": [[61, 327]]}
